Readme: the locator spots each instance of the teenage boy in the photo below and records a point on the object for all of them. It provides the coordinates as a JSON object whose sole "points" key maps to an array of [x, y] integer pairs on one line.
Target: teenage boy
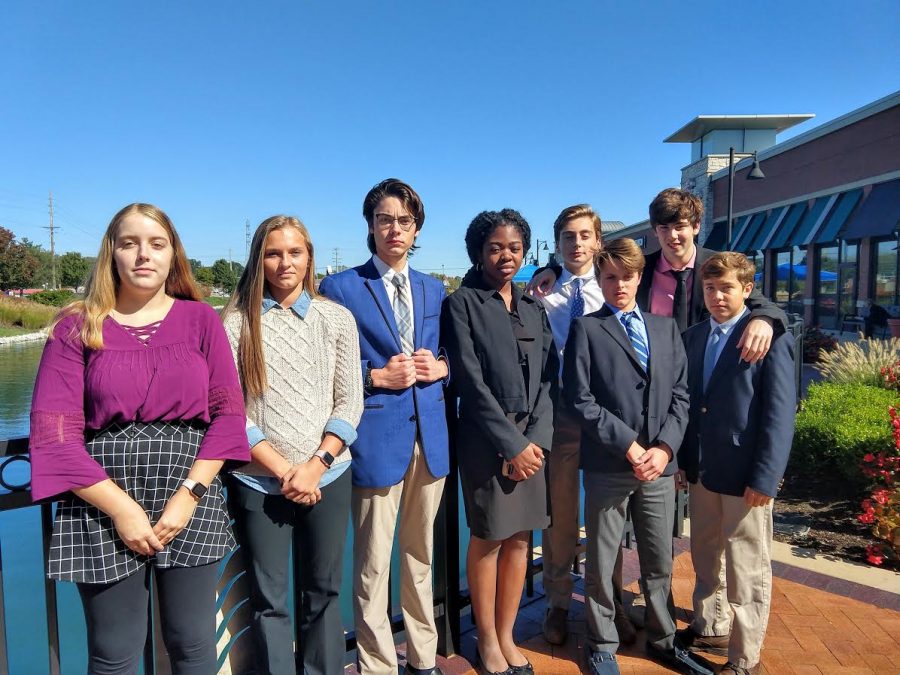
{"points": [[400, 457], [625, 375], [734, 454], [668, 287], [576, 293]]}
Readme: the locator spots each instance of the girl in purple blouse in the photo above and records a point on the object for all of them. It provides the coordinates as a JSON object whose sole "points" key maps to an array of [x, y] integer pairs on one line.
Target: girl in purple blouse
{"points": [[136, 407]]}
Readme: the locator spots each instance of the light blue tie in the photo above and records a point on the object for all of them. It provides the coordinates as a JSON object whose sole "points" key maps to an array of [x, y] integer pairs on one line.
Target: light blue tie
{"points": [[709, 358], [637, 341], [577, 307], [402, 315]]}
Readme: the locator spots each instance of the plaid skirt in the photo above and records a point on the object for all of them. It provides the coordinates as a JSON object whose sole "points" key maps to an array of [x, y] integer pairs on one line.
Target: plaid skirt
{"points": [[149, 461]]}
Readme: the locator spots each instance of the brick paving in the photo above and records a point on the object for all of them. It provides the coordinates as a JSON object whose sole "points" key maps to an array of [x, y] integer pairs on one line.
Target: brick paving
{"points": [[818, 625]]}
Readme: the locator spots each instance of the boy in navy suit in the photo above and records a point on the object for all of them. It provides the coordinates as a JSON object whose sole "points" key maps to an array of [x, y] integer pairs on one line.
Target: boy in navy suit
{"points": [[734, 455], [625, 377]]}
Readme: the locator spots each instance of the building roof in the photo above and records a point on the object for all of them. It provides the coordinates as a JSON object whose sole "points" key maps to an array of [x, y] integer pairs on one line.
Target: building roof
{"points": [[703, 124], [610, 226]]}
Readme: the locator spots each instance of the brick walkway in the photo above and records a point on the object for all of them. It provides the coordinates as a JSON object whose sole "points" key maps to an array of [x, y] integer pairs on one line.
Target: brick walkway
{"points": [[811, 630]]}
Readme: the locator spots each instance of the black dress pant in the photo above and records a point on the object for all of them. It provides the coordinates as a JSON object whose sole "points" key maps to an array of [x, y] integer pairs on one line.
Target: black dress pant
{"points": [[266, 526], [116, 618]]}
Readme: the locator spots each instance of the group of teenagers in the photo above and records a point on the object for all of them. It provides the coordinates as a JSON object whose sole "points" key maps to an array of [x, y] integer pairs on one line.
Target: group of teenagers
{"points": [[315, 403]]}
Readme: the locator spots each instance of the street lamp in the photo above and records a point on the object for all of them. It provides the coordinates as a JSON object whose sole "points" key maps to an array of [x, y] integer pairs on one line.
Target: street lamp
{"points": [[540, 245], [755, 174]]}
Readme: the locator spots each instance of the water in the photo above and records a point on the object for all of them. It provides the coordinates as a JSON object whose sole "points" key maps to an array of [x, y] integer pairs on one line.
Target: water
{"points": [[22, 566]]}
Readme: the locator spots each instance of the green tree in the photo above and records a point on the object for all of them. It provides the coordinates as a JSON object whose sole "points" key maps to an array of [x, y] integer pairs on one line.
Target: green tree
{"points": [[223, 275], [72, 269], [17, 264], [204, 275], [43, 276], [196, 265]]}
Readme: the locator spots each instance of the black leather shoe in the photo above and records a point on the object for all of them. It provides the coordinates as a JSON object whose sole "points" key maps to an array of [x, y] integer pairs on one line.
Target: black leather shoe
{"points": [[410, 670], [527, 669], [678, 659]]}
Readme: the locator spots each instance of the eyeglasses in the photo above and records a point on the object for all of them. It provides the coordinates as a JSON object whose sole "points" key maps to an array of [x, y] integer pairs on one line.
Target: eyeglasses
{"points": [[385, 220]]}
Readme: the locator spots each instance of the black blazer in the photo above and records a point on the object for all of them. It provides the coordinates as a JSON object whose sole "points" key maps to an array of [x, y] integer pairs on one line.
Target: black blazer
{"points": [[616, 401], [758, 304], [478, 337], [742, 426]]}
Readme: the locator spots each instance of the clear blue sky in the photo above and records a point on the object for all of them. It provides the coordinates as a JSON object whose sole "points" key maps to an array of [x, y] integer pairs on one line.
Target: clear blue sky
{"points": [[224, 111]]}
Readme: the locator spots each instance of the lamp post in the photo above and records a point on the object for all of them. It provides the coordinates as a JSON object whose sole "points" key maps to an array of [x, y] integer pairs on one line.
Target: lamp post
{"points": [[539, 245], [755, 174]]}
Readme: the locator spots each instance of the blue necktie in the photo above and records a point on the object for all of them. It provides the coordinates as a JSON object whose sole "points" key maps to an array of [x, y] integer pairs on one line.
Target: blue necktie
{"points": [[577, 307], [709, 358], [637, 341]]}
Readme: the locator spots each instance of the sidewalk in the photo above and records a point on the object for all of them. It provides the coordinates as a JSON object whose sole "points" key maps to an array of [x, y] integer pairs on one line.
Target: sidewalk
{"points": [[819, 623]]}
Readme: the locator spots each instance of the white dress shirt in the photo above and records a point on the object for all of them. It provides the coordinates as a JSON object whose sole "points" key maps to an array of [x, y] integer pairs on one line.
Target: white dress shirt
{"points": [[387, 275], [558, 304]]}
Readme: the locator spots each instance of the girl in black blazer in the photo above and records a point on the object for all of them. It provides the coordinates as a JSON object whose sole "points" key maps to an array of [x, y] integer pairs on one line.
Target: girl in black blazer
{"points": [[505, 369]]}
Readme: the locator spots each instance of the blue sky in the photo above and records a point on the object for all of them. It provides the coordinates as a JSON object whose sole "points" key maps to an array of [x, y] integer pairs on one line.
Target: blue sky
{"points": [[227, 111]]}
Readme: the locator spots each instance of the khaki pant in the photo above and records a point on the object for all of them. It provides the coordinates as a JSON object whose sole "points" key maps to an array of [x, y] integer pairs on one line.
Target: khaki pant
{"points": [[723, 524], [559, 541], [374, 510]]}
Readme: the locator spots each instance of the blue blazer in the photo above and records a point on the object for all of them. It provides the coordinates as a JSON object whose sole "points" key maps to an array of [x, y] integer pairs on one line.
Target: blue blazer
{"points": [[392, 418], [742, 426], [618, 402]]}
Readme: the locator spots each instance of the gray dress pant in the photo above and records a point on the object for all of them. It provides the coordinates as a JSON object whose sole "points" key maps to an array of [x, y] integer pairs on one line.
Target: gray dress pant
{"points": [[652, 512]]}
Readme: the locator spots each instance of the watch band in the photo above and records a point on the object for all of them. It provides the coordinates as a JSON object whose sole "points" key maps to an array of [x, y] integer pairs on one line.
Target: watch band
{"points": [[325, 457], [368, 384], [195, 488]]}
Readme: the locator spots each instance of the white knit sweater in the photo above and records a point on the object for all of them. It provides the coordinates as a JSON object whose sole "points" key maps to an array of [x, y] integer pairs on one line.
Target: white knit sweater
{"points": [[312, 365]]}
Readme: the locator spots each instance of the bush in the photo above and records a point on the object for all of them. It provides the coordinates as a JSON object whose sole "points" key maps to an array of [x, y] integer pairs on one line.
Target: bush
{"points": [[881, 509], [815, 342], [838, 424], [860, 362], [24, 313], [53, 298]]}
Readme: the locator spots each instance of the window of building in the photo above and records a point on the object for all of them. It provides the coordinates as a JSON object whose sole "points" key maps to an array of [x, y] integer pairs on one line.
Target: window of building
{"points": [[790, 279], [884, 291], [827, 290]]}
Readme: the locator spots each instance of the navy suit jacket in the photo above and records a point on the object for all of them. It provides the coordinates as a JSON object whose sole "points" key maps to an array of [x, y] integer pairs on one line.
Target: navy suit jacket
{"points": [[616, 401], [391, 418], [741, 427]]}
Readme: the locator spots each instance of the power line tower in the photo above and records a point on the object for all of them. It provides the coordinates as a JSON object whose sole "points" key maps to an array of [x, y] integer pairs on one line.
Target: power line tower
{"points": [[52, 229], [247, 239], [337, 259]]}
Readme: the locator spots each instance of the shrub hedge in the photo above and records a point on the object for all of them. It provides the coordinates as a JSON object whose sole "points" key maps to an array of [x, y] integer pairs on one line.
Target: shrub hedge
{"points": [[837, 425], [53, 298]]}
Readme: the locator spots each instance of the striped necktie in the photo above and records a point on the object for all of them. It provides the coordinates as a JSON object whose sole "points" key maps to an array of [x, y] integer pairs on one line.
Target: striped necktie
{"points": [[576, 309], [637, 341], [402, 314]]}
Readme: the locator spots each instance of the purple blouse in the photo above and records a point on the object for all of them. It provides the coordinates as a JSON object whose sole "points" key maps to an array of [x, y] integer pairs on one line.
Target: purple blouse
{"points": [[185, 372]]}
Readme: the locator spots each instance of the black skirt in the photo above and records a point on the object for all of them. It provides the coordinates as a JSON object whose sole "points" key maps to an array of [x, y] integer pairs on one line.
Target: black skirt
{"points": [[149, 462]]}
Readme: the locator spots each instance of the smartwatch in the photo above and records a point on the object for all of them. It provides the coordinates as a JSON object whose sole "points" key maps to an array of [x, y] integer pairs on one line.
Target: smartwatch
{"points": [[195, 488], [325, 457]]}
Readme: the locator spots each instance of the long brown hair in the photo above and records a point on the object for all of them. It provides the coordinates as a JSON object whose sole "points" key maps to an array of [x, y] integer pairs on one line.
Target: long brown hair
{"points": [[248, 297], [102, 285]]}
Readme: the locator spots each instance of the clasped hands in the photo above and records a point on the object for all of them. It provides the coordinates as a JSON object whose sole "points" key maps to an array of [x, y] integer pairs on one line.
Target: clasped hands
{"points": [[403, 371], [648, 464], [300, 484], [527, 463]]}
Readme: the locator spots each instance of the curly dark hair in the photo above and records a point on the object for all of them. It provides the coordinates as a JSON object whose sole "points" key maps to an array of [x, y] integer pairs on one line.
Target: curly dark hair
{"points": [[484, 224]]}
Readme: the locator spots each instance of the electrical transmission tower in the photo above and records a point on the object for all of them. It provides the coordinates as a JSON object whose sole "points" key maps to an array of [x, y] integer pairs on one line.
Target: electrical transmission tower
{"points": [[247, 239], [337, 260]]}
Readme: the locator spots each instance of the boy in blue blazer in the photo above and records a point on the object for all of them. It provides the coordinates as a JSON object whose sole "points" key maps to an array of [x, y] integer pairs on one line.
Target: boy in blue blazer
{"points": [[625, 378], [734, 455]]}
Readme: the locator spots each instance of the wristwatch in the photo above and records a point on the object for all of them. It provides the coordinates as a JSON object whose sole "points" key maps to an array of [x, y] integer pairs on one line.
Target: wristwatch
{"points": [[195, 488], [367, 383], [325, 457]]}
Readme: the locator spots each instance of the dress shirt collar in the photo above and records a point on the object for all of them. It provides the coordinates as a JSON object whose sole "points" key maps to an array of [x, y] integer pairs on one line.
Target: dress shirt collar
{"points": [[300, 306], [567, 277], [726, 327], [616, 312], [664, 266], [387, 272]]}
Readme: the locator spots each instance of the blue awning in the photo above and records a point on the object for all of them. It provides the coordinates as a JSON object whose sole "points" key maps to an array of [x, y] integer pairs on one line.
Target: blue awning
{"points": [[878, 215], [750, 232], [839, 214], [766, 229], [716, 238], [810, 220], [788, 225], [737, 230]]}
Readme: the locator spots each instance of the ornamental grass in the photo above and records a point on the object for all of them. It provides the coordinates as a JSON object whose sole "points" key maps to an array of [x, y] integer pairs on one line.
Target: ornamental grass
{"points": [[859, 362]]}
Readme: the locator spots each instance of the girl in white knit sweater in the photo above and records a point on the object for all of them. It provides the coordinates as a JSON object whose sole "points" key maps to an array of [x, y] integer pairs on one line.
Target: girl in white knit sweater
{"points": [[298, 357]]}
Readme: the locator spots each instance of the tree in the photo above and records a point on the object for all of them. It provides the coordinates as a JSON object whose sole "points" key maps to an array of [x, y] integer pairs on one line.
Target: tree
{"points": [[73, 269], [223, 275], [196, 266], [17, 264], [43, 276], [204, 276]]}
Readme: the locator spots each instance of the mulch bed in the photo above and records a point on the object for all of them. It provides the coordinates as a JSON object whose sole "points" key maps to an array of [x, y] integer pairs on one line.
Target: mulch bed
{"points": [[831, 506]]}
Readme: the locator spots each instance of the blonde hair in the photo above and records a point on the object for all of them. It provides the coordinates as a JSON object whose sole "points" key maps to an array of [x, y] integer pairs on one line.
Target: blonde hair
{"points": [[102, 286], [248, 297], [570, 213], [624, 252], [720, 264]]}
